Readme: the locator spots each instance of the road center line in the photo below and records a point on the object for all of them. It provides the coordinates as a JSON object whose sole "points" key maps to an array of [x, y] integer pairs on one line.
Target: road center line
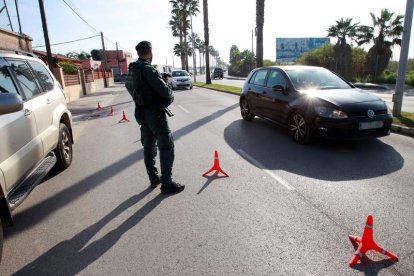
{"points": [[260, 166], [183, 109]]}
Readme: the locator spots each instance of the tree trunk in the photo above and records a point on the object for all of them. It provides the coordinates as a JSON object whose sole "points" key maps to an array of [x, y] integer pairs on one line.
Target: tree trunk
{"points": [[259, 32], [181, 51], [206, 41]]}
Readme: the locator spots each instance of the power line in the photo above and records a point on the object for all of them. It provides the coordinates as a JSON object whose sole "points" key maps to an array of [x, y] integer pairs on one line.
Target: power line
{"points": [[68, 41], [79, 16], [77, 13]]}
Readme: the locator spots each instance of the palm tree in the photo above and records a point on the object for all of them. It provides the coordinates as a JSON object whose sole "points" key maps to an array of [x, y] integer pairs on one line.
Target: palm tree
{"points": [[343, 52], [195, 40], [259, 31], [206, 40], [177, 29], [389, 33], [182, 9], [212, 53], [199, 45]]}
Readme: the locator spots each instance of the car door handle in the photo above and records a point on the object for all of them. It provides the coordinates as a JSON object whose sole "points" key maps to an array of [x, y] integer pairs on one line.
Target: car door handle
{"points": [[27, 112], [48, 101]]}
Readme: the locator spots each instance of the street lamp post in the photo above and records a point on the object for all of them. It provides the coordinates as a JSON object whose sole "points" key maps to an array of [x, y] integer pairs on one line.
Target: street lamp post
{"points": [[192, 39], [402, 64]]}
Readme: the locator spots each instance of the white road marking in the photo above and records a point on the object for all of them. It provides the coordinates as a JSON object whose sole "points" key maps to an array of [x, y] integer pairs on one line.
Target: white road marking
{"points": [[183, 109], [260, 166]]}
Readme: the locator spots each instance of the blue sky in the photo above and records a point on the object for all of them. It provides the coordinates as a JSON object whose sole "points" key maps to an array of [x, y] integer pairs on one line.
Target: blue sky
{"points": [[231, 23]]}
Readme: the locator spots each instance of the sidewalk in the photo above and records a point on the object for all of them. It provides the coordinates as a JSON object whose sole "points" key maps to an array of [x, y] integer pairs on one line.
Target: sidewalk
{"points": [[89, 103]]}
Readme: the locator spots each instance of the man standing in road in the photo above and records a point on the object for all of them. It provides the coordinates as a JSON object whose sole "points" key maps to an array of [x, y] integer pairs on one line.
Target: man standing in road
{"points": [[152, 96]]}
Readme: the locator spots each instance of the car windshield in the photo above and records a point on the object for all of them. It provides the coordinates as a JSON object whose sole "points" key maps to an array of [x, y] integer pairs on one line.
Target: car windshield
{"points": [[315, 79], [179, 73]]}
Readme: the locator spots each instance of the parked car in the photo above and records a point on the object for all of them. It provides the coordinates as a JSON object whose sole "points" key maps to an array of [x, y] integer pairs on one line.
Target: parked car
{"points": [[218, 73], [313, 102], [180, 79], [35, 129], [120, 77]]}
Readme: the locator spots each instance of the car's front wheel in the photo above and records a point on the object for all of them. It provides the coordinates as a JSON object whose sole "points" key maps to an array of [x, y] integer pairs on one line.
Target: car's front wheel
{"points": [[299, 128], [63, 151], [1, 240], [245, 110]]}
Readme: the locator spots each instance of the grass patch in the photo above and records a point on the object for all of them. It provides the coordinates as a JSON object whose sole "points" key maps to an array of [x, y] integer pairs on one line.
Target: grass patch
{"points": [[226, 88], [406, 119]]}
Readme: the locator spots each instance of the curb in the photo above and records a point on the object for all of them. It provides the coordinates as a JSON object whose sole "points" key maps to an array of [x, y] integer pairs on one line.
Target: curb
{"points": [[403, 130]]}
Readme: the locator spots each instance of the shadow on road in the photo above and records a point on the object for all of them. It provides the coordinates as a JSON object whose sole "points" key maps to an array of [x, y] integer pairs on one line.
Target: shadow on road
{"points": [[40, 211], [209, 180], [70, 257], [325, 160]]}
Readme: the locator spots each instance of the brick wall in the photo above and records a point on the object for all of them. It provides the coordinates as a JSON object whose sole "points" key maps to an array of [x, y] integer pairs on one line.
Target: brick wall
{"points": [[15, 41]]}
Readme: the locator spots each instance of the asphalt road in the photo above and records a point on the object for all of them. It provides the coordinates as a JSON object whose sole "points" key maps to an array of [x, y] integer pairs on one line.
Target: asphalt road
{"points": [[285, 209], [386, 95]]}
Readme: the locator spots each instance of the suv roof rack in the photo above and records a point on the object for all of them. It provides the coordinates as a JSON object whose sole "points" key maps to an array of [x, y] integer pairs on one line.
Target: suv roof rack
{"points": [[18, 52]]}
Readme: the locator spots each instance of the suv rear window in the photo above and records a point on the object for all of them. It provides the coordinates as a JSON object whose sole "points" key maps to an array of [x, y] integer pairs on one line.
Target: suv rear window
{"points": [[25, 78], [44, 77]]}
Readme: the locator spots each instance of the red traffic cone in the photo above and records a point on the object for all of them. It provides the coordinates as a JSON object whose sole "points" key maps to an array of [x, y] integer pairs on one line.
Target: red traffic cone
{"points": [[124, 118], [216, 166], [99, 107], [366, 243], [112, 112]]}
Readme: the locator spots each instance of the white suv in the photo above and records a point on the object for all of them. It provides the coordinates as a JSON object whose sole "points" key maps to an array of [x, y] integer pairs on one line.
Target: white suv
{"points": [[35, 129]]}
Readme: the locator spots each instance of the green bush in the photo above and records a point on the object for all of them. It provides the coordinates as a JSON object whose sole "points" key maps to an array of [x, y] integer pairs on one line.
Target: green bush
{"points": [[387, 77], [68, 67], [409, 78]]}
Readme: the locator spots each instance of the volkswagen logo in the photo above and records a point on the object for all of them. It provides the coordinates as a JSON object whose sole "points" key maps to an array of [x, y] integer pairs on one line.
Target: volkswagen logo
{"points": [[370, 113]]}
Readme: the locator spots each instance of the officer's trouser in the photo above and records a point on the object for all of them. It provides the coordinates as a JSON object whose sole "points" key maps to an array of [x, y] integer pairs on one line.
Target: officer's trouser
{"points": [[156, 132]]}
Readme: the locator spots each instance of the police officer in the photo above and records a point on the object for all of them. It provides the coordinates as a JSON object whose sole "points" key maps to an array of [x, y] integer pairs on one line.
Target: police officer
{"points": [[152, 96]]}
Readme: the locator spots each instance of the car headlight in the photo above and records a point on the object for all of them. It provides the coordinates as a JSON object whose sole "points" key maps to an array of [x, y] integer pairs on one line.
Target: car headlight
{"points": [[328, 112]]}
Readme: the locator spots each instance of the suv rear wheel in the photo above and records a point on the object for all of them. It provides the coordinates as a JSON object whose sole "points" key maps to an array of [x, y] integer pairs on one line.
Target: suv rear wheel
{"points": [[63, 150]]}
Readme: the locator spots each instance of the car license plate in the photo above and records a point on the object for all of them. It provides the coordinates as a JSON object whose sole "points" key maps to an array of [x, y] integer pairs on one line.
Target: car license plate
{"points": [[369, 125]]}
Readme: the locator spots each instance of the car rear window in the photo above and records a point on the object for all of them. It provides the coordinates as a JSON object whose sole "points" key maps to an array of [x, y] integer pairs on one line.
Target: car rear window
{"points": [[259, 77], [25, 78], [45, 79]]}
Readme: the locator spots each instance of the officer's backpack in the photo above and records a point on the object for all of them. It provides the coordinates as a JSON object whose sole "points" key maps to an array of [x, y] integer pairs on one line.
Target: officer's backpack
{"points": [[132, 82]]}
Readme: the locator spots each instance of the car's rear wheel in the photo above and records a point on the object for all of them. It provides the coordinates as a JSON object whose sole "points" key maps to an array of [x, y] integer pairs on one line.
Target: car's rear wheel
{"points": [[63, 151], [299, 128], [245, 110]]}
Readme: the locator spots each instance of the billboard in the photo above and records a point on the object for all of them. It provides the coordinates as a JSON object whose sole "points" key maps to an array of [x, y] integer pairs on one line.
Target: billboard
{"points": [[288, 49]]}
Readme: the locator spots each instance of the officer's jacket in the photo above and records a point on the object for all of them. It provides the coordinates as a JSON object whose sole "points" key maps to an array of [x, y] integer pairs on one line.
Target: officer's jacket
{"points": [[149, 89]]}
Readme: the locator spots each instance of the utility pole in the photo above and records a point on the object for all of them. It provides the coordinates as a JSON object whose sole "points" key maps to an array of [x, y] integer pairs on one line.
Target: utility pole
{"points": [[46, 35], [252, 43], [18, 16], [8, 15], [192, 39], [105, 61], [117, 58], [402, 65]]}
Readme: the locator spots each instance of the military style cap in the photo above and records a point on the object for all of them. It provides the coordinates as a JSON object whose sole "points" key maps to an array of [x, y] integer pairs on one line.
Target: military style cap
{"points": [[143, 45]]}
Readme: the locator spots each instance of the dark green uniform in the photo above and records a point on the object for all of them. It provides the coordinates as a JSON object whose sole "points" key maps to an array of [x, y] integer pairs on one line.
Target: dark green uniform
{"points": [[151, 96]]}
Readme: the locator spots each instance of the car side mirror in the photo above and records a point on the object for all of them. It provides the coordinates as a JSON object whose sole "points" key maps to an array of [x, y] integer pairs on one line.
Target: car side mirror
{"points": [[10, 102]]}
